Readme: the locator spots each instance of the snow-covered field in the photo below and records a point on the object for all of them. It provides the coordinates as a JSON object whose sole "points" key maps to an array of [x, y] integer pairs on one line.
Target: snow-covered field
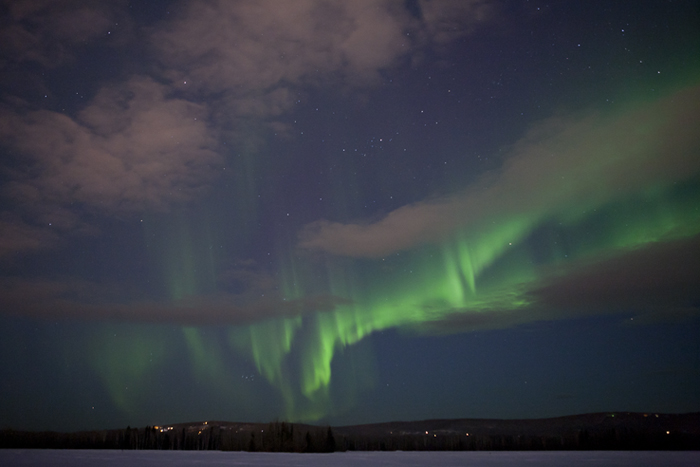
{"points": [[57, 458]]}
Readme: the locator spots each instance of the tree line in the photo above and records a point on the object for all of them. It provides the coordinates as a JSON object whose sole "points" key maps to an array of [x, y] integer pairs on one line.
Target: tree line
{"points": [[273, 437], [290, 437]]}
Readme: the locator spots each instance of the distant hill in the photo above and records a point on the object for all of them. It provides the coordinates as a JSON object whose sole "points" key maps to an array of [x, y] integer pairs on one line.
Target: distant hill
{"points": [[618, 431], [610, 430], [594, 423]]}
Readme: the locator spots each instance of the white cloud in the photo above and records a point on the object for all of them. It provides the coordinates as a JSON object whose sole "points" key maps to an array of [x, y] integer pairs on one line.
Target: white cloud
{"points": [[558, 166], [132, 148]]}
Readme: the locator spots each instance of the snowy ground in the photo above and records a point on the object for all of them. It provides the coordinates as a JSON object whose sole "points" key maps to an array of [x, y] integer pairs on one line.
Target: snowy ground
{"points": [[58, 458]]}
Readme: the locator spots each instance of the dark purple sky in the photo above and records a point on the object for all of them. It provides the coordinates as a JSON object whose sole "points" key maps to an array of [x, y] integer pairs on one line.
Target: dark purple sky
{"points": [[347, 211]]}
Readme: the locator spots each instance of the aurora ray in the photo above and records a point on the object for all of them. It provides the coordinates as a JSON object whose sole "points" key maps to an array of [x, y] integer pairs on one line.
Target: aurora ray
{"points": [[347, 212]]}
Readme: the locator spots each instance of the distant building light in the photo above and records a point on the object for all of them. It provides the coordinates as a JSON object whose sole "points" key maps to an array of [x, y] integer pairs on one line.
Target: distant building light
{"points": [[426, 432], [668, 432]]}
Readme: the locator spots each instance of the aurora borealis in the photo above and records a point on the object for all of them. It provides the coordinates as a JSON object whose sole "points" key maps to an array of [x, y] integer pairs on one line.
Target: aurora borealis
{"points": [[347, 212]]}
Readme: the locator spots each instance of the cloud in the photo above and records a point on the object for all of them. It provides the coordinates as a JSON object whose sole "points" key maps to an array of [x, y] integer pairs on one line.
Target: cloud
{"points": [[444, 20], [256, 51], [657, 283], [86, 300], [561, 165], [132, 148], [661, 276], [18, 236], [220, 45], [246, 295], [47, 32], [142, 144]]}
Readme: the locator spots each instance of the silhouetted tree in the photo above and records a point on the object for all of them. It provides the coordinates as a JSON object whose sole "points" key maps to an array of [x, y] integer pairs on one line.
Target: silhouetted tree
{"points": [[309, 443], [251, 445], [330, 441]]}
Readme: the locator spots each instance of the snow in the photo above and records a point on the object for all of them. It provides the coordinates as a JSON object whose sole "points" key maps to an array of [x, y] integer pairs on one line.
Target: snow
{"points": [[80, 458]]}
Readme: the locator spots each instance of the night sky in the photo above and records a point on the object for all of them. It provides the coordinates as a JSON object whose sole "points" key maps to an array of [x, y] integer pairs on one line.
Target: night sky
{"points": [[347, 211]]}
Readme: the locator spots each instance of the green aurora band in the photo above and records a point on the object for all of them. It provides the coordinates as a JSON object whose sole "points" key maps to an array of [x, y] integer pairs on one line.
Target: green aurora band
{"points": [[437, 282], [485, 265]]}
